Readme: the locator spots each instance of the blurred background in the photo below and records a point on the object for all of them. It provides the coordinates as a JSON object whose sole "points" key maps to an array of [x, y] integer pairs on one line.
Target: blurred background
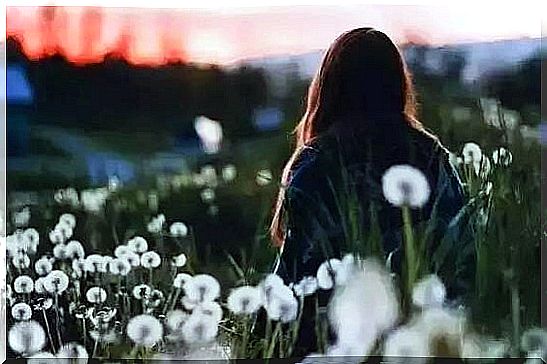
{"points": [[188, 112]]}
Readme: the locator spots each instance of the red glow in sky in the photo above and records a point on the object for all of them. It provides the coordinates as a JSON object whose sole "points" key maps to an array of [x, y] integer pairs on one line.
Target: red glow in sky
{"points": [[155, 36]]}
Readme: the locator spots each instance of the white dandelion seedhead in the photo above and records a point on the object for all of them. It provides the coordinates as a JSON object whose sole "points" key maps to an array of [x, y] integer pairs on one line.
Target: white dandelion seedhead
{"points": [[141, 291], [56, 282], [21, 218], [209, 309], [21, 311], [472, 153], [155, 226], [502, 156], [404, 185], [39, 285], [150, 260], [181, 279], [407, 345], [43, 266], [438, 322], [175, 319], [229, 173], [178, 229], [327, 273], [121, 251], [26, 337], [65, 230], [72, 353], [68, 220], [96, 295], [207, 195], [282, 308], [120, 266], [202, 288], [155, 298], [199, 329], [32, 236], [138, 244], [42, 357], [23, 285], [306, 287], [56, 236], [133, 258], [75, 250], [21, 261], [145, 330], [429, 292], [60, 251], [180, 260], [245, 300], [96, 263]]}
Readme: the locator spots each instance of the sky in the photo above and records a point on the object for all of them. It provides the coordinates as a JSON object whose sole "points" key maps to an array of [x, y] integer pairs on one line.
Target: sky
{"points": [[226, 35]]}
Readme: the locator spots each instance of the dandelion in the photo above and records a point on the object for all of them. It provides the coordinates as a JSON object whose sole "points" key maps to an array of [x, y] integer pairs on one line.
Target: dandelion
{"points": [[56, 236], [472, 153], [133, 258], [26, 337], [178, 229], [121, 251], [79, 266], [404, 185], [68, 220], [263, 177], [199, 329], [56, 282], [145, 330], [95, 263], [284, 309], [429, 292], [23, 285], [502, 156], [327, 272], [175, 319], [120, 267], [441, 323], [138, 244], [75, 250], [202, 288], [21, 261], [141, 291], [150, 260], [181, 279], [245, 300], [73, 351], [155, 298], [270, 284], [207, 195], [32, 236], [407, 345], [39, 285], [209, 309], [306, 287], [96, 295], [180, 260], [364, 308], [229, 173], [22, 217], [156, 225], [65, 230], [21, 311], [60, 252], [42, 357]]}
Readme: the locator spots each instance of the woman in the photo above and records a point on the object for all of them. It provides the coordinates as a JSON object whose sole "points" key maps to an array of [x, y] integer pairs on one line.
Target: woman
{"points": [[360, 120]]}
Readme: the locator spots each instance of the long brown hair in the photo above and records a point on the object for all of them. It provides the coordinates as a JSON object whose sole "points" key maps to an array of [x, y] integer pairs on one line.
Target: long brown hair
{"points": [[362, 75]]}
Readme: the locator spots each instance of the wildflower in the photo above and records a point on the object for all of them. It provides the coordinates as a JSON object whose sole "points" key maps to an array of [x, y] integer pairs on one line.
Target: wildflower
{"points": [[207, 195], [429, 292], [73, 351], [120, 267], [133, 259], [404, 185], [209, 309], [79, 266], [502, 156], [95, 263], [21, 311], [472, 153], [263, 177], [150, 260], [26, 337], [22, 217], [96, 295], [202, 288], [68, 220], [39, 285], [175, 319], [21, 261], [245, 300], [121, 251], [56, 236], [178, 229], [444, 323], [43, 304], [229, 173], [42, 357], [179, 260], [364, 308], [306, 287], [327, 272], [155, 298], [141, 291], [75, 250], [65, 230], [283, 308], [156, 225], [199, 329], [270, 284], [145, 330], [23, 285], [407, 343], [32, 236], [60, 251], [181, 279], [138, 244], [56, 282]]}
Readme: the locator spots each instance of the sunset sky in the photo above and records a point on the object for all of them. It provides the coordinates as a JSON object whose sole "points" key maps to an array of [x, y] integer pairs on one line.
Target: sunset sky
{"points": [[226, 35]]}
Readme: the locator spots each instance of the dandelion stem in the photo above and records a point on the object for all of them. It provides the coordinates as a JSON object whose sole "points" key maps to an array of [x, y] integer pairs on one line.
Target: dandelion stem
{"points": [[48, 331], [411, 263], [271, 347]]}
